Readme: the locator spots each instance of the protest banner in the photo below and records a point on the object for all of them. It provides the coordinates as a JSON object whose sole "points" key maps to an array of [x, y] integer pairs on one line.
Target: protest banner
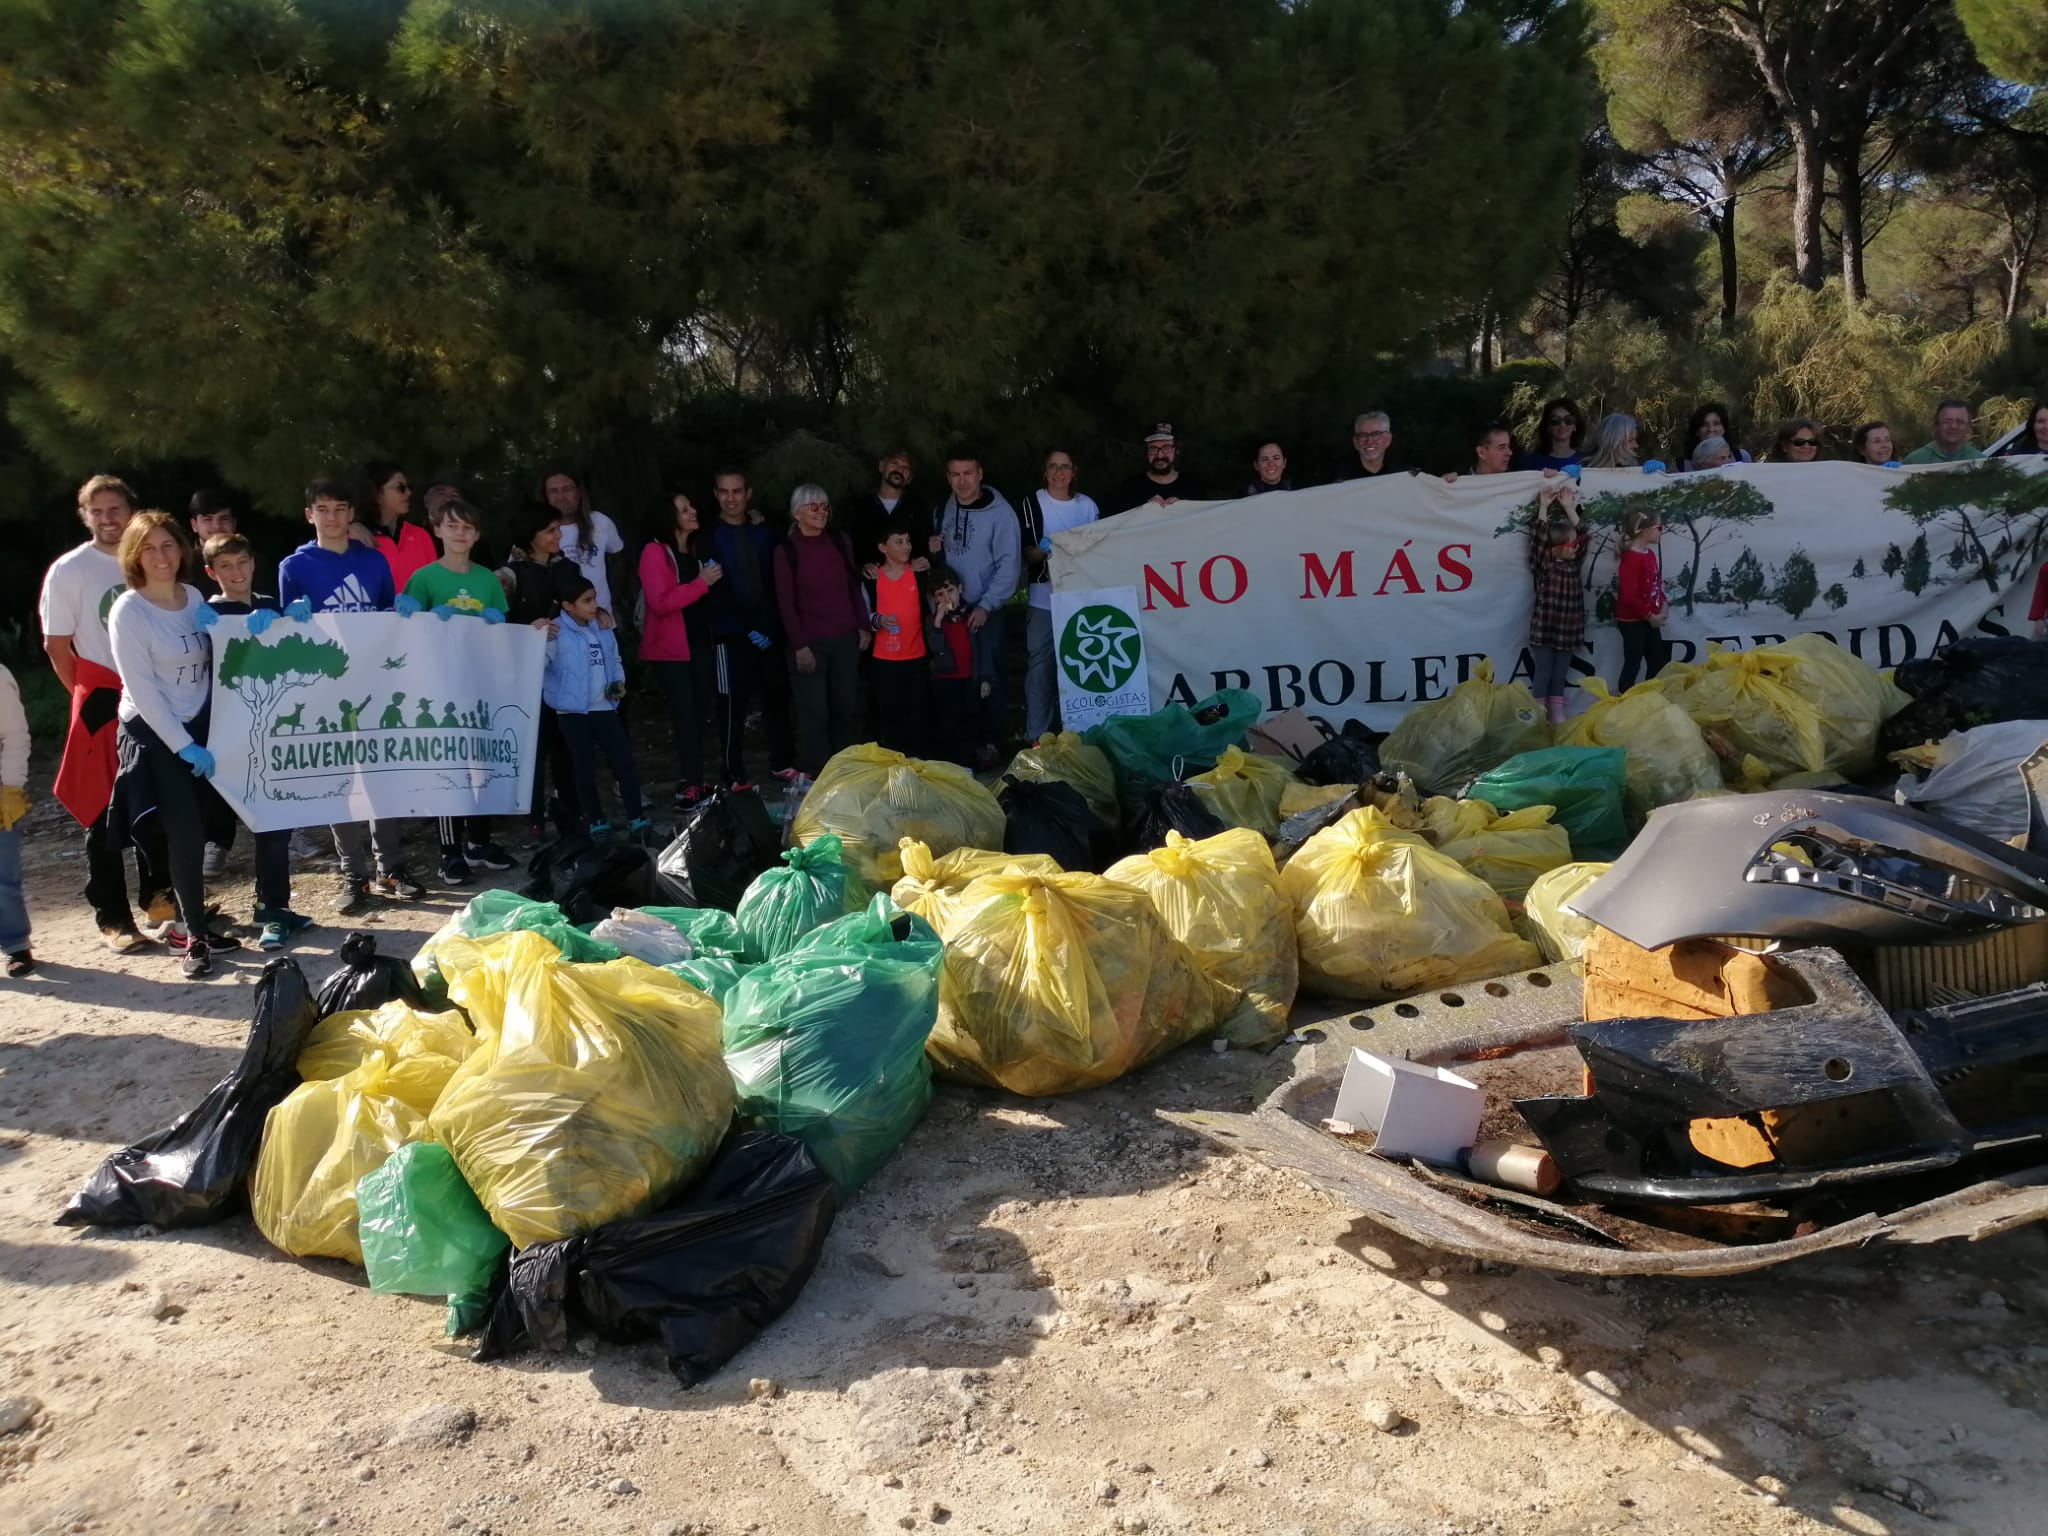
{"points": [[1099, 647], [1364, 598], [358, 716]]}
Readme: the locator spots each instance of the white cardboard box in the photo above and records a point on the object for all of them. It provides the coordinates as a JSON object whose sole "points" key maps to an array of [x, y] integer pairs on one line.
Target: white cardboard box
{"points": [[1415, 1111]]}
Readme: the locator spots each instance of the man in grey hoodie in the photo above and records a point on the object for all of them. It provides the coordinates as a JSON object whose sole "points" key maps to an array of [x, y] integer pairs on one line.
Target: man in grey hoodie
{"points": [[980, 530]]}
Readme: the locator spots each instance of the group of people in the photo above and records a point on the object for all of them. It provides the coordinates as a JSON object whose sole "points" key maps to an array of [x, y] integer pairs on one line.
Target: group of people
{"points": [[886, 621]]}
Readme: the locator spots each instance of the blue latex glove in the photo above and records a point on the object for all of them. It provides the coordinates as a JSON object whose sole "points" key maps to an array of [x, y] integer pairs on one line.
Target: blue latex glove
{"points": [[198, 757], [1570, 469], [299, 610], [1653, 466], [494, 615], [1045, 546], [405, 607], [261, 619], [444, 611], [761, 641], [206, 617], [1893, 464]]}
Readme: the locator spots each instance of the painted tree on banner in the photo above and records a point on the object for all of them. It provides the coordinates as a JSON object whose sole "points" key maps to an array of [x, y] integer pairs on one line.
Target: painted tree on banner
{"points": [[1996, 509], [263, 674]]}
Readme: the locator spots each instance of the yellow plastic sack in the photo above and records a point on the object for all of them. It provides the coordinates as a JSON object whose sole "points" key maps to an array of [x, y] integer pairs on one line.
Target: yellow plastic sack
{"points": [[1244, 790], [331, 1131], [873, 798], [1063, 757], [1221, 897], [1058, 982], [929, 885], [1507, 852], [1561, 935], [1298, 797], [341, 1042], [1379, 914], [1447, 743], [1668, 756], [1805, 706], [594, 1093]]}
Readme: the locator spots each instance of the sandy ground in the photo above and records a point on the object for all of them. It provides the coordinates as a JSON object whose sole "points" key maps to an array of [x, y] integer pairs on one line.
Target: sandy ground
{"points": [[1054, 1315]]}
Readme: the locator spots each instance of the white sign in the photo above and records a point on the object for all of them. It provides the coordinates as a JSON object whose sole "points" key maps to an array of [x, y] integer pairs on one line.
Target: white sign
{"points": [[367, 715], [1365, 598], [1098, 646]]}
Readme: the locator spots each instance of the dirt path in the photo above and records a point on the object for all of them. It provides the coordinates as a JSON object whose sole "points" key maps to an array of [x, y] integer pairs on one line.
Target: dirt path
{"points": [[1043, 1316]]}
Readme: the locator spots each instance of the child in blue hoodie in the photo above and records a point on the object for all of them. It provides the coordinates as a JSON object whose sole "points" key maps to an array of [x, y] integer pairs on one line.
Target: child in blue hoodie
{"points": [[583, 684]]}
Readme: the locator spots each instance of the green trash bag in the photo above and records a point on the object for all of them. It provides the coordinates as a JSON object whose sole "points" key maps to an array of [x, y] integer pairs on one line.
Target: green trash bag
{"points": [[812, 886], [425, 1233], [827, 1045], [709, 930], [1174, 742], [492, 912], [713, 975], [1587, 785]]}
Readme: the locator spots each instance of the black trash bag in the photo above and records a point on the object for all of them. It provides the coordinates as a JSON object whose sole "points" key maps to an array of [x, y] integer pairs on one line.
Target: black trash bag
{"points": [[193, 1172], [587, 879], [1352, 756], [723, 843], [369, 980], [704, 1276], [1168, 808], [1049, 817], [1988, 678], [1925, 719]]}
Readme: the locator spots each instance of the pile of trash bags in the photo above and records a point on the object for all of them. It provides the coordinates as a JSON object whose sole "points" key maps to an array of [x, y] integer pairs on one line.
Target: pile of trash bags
{"points": [[869, 798]]}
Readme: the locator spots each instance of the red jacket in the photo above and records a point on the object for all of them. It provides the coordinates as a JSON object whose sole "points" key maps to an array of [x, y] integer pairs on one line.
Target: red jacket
{"points": [[85, 778], [665, 634], [1639, 586]]}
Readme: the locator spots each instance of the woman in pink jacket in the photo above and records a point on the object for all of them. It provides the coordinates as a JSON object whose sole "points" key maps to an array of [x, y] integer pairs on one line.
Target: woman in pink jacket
{"points": [[673, 576]]}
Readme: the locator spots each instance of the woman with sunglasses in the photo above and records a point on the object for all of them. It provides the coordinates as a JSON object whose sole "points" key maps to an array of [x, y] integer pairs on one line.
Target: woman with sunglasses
{"points": [[1558, 431], [1798, 442], [389, 529]]}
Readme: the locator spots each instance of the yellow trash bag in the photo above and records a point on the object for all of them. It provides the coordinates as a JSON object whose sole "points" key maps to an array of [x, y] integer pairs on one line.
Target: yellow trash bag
{"points": [[1298, 797], [1221, 897], [1062, 757], [1058, 982], [1668, 756], [1561, 935], [1447, 743], [1379, 914], [1804, 706], [341, 1042], [873, 798], [1244, 790], [595, 1093], [1507, 852], [331, 1131], [929, 885]]}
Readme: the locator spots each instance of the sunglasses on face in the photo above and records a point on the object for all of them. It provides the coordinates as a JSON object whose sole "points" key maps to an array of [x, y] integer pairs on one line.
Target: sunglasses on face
{"points": [[1558, 421], [1805, 442]]}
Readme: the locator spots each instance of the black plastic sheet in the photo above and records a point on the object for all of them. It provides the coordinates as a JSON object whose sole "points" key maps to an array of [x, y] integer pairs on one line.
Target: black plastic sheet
{"points": [[724, 841]]}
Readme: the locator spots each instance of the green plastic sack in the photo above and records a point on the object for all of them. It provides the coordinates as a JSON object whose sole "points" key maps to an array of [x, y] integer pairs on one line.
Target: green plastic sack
{"points": [[713, 975], [1445, 744], [492, 912], [1587, 785], [812, 887], [1173, 742], [827, 1045], [424, 1233], [1668, 756], [1062, 757], [709, 930]]}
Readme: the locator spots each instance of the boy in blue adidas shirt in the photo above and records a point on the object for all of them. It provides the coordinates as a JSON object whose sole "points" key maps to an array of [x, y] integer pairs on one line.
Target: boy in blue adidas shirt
{"points": [[332, 573]]}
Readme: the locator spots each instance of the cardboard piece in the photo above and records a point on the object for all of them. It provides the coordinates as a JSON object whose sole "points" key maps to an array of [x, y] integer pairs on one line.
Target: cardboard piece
{"points": [[1289, 736], [1415, 1111]]}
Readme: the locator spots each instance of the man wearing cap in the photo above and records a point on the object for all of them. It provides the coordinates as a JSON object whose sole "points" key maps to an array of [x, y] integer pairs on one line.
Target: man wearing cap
{"points": [[1372, 435], [1162, 484]]}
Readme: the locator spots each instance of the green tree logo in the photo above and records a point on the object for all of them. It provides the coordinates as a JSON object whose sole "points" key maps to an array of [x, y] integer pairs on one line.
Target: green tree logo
{"points": [[261, 675], [1101, 648]]}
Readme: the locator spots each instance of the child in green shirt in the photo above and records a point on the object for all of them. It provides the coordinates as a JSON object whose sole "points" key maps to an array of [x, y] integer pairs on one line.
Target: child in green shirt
{"points": [[454, 585]]}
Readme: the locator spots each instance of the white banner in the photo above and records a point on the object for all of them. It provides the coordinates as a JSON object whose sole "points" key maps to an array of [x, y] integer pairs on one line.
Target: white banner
{"points": [[1365, 598], [366, 715], [1098, 647]]}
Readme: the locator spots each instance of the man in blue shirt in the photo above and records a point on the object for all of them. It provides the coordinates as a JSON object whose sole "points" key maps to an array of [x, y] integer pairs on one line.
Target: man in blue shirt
{"points": [[332, 573]]}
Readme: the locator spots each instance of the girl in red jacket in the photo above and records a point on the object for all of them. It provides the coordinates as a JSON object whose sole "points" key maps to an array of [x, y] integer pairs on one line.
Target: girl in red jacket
{"points": [[1639, 606], [672, 578]]}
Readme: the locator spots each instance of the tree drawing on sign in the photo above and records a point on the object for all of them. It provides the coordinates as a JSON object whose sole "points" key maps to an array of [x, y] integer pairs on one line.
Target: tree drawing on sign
{"points": [[1696, 510], [1995, 509], [1836, 597], [1745, 579], [261, 675], [1914, 569], [1798, 587], [1856, 570]]}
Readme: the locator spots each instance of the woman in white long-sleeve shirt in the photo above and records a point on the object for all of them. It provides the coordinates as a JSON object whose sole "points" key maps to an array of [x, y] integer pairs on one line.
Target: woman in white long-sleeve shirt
{"points": [[165, 658]]}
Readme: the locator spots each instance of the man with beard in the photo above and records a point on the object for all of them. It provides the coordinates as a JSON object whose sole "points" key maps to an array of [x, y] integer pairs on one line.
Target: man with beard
{"points": [[1372, 438], [1162, 484], [895, 502]]}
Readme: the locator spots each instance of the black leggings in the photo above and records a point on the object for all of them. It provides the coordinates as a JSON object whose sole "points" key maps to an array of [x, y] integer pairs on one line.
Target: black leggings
{"points": [[1642, 645]]}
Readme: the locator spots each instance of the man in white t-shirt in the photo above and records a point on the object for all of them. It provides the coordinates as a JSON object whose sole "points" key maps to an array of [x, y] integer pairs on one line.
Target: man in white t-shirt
{"points": [[78, 591], [1044, 513], [590, 539]]}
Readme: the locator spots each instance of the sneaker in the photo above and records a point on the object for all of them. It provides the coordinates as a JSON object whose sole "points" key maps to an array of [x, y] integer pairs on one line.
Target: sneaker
{"points": [[157, 918], [354, 896], [400, 886], [122, 939], [599, 829], [279, 924], [638, 831], [304, 846], [455, 871], [219, 940], [740, 787], [691, 794], [197, 957], [20, 962], [214, 862], [786, 774], [487, 856]]}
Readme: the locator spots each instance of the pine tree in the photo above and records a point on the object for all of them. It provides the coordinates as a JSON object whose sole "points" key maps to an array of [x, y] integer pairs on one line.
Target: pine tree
{"points": [[1836, 597], [1716, 590], [1798, 585], [1856, 570], [1915, 572], [1894, 561], [1746, 580]]}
